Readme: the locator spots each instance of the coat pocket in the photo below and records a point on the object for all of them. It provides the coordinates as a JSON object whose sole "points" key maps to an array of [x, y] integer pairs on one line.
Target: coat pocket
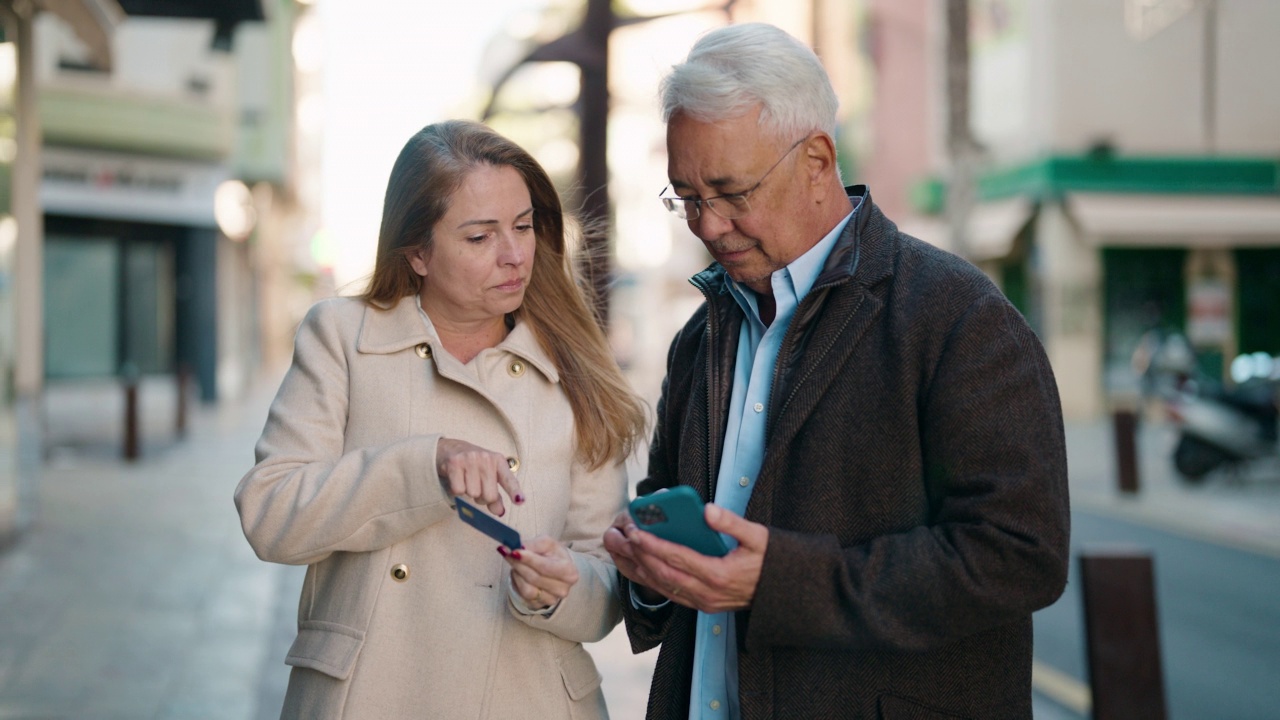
{"points": [[327, 647], [579, 673]]}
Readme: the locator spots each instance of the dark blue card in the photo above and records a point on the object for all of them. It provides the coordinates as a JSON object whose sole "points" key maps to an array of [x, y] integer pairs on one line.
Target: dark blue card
{"points": [[495, 529]]}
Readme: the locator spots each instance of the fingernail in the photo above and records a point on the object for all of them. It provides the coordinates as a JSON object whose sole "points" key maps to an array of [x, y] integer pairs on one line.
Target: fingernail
{"points": [[519, 498], [515, 554], [504, 512], [502, 550]]}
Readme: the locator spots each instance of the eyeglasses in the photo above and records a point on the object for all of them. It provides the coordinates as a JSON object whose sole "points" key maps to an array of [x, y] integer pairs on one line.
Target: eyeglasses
{"points": [[730, 207]]}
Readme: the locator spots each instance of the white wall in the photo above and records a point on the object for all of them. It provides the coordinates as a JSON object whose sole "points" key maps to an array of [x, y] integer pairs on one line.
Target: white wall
{"points": [[164, 57], [1248, 94], [1143, 96], [1076, 75]]}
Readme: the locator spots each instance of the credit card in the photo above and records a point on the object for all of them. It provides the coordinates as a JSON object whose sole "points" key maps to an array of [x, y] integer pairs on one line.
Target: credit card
{"points": [[495, 529]]}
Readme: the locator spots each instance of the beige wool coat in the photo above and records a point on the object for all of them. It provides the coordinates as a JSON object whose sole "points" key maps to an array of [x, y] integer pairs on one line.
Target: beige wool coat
{"points": [[406, 612]]}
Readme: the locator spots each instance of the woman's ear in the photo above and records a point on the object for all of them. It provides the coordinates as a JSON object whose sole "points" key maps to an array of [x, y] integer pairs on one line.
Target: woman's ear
{"points": [[418, 260]]}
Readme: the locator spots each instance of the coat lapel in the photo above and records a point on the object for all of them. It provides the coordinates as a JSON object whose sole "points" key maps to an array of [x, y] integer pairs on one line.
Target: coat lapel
{"points": [[390, 330], [400, 327], [847, 309]]}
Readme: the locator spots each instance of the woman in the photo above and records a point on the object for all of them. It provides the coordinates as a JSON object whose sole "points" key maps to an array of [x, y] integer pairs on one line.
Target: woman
{"points": [[471, 367]]}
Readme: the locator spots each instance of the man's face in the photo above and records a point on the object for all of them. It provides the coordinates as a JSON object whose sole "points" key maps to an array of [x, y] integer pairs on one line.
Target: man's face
{"points": [[706, 160]]}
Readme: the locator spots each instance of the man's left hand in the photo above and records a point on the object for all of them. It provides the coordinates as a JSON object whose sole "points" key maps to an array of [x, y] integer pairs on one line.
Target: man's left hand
{"points": [[702, 582]]}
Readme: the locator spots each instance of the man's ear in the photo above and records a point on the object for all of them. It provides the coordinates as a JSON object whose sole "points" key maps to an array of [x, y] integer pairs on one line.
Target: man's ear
{"points": [[820, 158]]}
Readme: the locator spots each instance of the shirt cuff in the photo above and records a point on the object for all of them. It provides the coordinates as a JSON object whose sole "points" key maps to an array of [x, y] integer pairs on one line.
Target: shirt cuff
{"points": [[639, 604]]}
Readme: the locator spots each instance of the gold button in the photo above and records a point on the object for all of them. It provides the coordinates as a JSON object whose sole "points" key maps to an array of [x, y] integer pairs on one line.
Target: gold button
{"points": [[423, 350], [516, 368], [513, 463], [400, 572]]}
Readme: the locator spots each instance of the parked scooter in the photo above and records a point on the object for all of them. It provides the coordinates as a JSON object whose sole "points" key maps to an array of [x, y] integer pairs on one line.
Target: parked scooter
{"points": [[1226, 427]]}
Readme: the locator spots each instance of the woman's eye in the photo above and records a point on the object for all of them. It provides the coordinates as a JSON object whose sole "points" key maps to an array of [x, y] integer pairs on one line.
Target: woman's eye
{"points": [[524, 228], [478, 238]]}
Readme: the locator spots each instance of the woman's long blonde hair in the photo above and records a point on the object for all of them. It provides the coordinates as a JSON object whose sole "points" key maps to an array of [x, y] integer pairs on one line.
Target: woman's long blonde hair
{"points": [[608, 416]]}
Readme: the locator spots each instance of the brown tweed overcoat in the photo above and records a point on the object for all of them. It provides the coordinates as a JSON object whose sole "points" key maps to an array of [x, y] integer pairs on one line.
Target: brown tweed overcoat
{"points": [[914, 485]]}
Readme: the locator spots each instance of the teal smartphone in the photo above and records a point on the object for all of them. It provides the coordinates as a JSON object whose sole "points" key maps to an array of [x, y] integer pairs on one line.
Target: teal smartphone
{"points": [[675, 514]]}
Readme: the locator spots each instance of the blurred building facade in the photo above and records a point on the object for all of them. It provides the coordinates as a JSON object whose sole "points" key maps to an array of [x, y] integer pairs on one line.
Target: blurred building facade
{"points": [[1128, 177], [153, 203]]}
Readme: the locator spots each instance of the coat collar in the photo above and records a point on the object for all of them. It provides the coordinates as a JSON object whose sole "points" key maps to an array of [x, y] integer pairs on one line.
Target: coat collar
{"points": [[400, 327]]}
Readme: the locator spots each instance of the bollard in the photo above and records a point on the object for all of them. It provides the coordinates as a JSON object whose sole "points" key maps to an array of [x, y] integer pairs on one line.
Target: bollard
{"points": [[184, 380], [131, 449], [1122, 637], [1125, 424]]}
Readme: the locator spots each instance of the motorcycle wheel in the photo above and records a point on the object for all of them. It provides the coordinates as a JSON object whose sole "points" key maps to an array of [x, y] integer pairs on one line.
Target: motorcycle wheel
{"points": [[1195, 458]]}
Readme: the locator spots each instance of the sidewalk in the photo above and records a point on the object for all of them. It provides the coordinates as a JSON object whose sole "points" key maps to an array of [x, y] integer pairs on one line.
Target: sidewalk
{"points": [[136, 596], [1242, 512]]}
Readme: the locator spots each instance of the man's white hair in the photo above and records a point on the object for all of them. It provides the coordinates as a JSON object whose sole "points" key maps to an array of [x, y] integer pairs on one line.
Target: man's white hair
{"points": [[735, 68]]}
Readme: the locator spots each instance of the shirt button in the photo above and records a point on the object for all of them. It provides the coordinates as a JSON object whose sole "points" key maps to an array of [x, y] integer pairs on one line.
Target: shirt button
{"points": [[715, 629], [715, 704], [744, 481], [516, 369], [759, 407]]}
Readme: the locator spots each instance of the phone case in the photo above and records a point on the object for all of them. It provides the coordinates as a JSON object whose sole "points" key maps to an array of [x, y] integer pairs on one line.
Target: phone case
{"points": [[676, 515]]}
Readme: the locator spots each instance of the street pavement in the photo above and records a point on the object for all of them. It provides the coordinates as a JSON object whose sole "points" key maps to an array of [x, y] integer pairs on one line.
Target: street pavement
{"points": [[134, 594]]}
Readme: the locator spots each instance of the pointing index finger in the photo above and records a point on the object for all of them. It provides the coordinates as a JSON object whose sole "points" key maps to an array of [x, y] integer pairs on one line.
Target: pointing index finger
{"points": [[507, 479]]}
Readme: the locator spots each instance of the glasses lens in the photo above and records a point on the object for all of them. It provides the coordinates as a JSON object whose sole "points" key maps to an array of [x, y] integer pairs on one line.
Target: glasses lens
{"points": [[683, 209], [729, 207]]}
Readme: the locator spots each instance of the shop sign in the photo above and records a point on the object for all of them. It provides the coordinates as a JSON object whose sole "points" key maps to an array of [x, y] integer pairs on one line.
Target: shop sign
{"points": [[1208, 312], [88, 183]]}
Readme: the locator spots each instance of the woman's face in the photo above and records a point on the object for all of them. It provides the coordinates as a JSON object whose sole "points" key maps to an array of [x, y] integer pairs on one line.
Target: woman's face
{"points": [[481, 255]]}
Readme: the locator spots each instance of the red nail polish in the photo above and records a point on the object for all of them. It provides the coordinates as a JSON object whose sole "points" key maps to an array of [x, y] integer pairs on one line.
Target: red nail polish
{"points": [[515, 554], [519, 499], [502, 550]]}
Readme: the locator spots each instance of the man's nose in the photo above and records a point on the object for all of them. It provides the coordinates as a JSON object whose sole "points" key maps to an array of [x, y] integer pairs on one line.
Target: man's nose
{"points": [[709, 225]]}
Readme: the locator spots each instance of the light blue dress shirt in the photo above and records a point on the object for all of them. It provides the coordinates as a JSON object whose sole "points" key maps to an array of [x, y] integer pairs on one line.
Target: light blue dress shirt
{"points": [[715, 655]]}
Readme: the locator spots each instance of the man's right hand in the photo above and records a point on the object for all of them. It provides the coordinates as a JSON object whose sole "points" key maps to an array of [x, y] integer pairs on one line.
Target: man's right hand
{"points": [[683, 575]]}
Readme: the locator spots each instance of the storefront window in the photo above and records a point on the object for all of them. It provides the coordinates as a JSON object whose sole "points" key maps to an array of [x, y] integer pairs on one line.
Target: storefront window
{"points": [[1144, 294]]}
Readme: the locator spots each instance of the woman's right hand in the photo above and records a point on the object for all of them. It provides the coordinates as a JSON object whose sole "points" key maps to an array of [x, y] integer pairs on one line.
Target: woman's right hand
{"points": [[473, 472]]}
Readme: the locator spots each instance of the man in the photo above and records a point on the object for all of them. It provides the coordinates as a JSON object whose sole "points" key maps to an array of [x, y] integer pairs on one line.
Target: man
{"points": [[878, 427]]}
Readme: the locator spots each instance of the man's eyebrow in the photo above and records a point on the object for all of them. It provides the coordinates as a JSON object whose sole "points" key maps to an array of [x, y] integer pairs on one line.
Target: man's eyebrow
{"points": [[492, 222]]}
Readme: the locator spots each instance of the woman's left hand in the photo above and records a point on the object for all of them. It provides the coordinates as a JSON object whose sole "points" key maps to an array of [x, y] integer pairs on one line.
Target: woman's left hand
{"points": [[542, 571]]}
